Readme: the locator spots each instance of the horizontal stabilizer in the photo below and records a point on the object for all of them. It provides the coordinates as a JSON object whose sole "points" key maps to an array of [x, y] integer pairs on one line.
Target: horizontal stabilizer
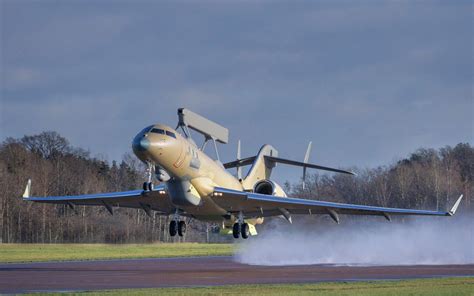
{"points": [[306, 165], [240, 162]]}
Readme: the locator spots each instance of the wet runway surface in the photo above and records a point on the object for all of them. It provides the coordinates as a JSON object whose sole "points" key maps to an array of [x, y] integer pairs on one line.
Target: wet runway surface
{"points": [[196, 271]]}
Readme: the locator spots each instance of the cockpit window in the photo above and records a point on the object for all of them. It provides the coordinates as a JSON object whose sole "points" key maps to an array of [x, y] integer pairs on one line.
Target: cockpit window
{"points": [[171, 134], [162, 132], [146, 129], [158, 131]]}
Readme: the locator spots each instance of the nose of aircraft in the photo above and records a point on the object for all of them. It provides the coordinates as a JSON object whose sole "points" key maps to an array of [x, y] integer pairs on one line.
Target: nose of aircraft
{"points": [[140, 143]]}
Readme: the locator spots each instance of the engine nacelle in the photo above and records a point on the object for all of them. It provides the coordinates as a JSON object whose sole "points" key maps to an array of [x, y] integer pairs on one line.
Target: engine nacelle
{"points": [[268, 187], [162, 175]]}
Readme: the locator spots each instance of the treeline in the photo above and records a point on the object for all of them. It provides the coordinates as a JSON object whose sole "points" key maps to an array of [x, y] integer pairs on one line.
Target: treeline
{"points": [[428, 179], [56, 168]]}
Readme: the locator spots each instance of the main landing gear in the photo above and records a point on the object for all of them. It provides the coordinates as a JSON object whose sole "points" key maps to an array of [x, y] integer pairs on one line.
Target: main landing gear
{"points": [[177, 227], [148, 186], [241, 228]]}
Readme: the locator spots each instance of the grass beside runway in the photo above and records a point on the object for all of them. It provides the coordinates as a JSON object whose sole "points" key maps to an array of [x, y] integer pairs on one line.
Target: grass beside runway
{"points": [[420, 287], [64, 252]]}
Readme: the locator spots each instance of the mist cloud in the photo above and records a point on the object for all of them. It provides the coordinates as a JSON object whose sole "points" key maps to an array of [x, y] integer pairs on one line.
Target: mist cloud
{"points": [[419, 241]]}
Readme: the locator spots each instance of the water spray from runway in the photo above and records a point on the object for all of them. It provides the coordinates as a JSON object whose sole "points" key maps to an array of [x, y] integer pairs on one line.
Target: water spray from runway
{"points": [[425, 240]]}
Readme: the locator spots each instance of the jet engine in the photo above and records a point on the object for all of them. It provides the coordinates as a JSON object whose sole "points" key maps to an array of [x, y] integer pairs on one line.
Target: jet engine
{"points": [[162, 175], [268, 187]]}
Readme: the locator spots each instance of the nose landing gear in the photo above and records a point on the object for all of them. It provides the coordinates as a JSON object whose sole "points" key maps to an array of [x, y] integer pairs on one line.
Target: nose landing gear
{"points": [[148, 186]]}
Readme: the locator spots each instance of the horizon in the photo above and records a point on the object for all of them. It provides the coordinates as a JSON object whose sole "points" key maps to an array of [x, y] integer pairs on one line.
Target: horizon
{"points": [[296, 179]]}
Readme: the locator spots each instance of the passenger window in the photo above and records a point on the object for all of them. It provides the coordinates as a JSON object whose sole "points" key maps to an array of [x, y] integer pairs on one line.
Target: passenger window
{"points": [[171, 134], [158, 131]]}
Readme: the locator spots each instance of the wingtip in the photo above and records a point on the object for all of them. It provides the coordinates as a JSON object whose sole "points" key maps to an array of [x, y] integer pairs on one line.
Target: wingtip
{"points": [[456, 205], [352, 173], [27, 192]]}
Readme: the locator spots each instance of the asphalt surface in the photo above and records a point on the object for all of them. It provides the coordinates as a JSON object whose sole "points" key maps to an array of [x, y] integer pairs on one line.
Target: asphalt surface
{"points": [[196, 271]]}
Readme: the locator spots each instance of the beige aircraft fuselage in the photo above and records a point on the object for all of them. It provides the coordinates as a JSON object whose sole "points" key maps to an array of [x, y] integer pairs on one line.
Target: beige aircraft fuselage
{"points": [[193, 174]]}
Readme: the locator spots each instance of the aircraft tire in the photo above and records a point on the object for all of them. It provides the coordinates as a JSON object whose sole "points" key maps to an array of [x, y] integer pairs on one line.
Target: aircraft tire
{"points": [[245, 231], [236, 230], [181, 228], [173, 228], [150, 186], [145, 186]]}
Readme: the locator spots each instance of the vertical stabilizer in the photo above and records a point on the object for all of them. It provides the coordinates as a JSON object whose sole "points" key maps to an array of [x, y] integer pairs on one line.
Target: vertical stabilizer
{"points": [[261, 168]]}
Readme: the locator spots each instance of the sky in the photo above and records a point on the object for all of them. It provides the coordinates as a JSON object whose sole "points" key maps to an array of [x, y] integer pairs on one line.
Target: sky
{"points": [[368, 82]]}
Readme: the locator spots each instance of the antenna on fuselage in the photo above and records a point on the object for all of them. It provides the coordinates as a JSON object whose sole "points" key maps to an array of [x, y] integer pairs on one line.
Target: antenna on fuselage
{"points": [[239, 168], [209, 129], [306, 158]]}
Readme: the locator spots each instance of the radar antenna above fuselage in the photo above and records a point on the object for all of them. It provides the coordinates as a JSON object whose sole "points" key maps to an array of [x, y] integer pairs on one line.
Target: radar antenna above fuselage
{"points": [[209, 129]]}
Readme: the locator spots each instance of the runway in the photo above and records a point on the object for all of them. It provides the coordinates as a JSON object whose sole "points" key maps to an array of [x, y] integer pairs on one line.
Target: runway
{"points": [[196, 271]]}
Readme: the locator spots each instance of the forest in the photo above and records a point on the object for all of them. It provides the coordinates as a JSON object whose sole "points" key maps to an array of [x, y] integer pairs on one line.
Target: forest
{"points": [[426, 179]]}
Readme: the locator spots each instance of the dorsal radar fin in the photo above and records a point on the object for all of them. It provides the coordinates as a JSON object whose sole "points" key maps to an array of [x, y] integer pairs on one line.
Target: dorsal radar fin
{"points": [[306, 159], [209, 129]]}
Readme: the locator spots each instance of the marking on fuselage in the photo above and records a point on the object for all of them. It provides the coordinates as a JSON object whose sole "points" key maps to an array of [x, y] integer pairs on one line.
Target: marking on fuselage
{"points": [[181, 158]]}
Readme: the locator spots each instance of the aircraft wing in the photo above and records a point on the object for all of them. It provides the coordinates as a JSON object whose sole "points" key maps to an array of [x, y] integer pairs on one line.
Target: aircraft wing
{"points": [[156, 200], [262, 205]]}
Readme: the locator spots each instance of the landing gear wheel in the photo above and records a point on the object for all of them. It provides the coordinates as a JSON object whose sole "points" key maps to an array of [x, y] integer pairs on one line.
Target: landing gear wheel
{"points": [[173, 228], [236, 230], [148, 186], [245, 230], [181, 228]]}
